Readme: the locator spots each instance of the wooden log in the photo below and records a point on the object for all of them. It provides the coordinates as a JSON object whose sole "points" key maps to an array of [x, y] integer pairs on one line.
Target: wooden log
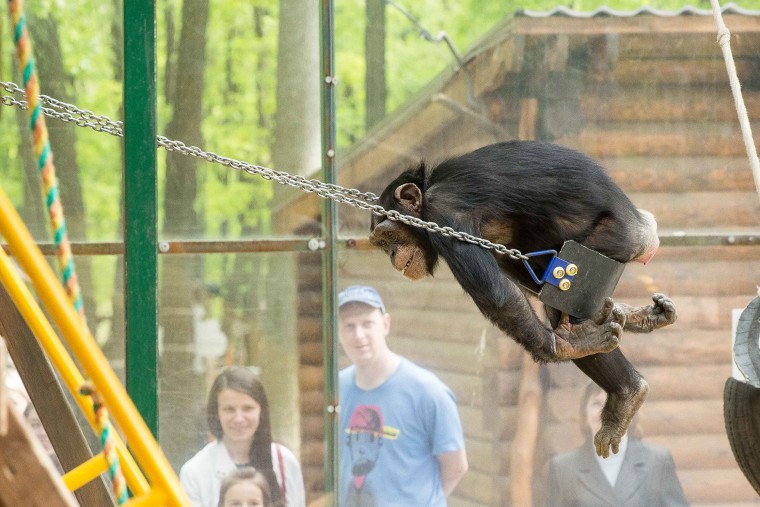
{"points": [[713, 209], [708, 313], [658, 140], [691, 277], [312, 401], [682, 417], [677, 72], [683, 174], [310, 303], [670, 417], [312, 453], [667, 104], [638, 25], [467, 388], [681, 349], [735, 253], [309, 329], [310, 353], [502, 428], [686, 46], [716, 485], [462, 328], [685, 382], [696, 451], [309, 272], [312, 426], [454, 357], [311, 378]]}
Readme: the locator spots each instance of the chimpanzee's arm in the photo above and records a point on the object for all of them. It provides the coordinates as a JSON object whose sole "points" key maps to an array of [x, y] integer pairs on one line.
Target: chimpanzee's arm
{"points": [[504, 304]]}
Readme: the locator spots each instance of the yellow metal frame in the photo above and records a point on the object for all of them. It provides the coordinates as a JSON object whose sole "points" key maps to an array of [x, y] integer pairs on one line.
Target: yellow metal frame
{"points": [[159, 485]]}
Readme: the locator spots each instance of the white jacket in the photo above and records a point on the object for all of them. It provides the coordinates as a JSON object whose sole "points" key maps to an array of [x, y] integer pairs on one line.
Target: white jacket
{"points": [[201, 476]]}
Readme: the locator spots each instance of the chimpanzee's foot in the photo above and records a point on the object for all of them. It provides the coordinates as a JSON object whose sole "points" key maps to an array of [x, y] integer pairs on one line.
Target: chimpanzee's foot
{"points": [[645, 319], [616, 416], [602, 334]]}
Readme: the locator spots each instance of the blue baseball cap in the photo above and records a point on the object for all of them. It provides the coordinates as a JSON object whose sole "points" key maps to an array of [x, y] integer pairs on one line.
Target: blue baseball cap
{"points": [[361, 294]]}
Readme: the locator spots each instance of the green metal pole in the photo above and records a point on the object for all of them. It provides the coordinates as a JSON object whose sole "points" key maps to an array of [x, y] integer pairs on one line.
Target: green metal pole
{"points": [[329, 226], [140, 208]]}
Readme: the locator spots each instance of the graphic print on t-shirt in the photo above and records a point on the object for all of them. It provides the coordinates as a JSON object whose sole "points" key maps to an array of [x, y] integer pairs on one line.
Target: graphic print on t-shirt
{"points": [[365, 436]]}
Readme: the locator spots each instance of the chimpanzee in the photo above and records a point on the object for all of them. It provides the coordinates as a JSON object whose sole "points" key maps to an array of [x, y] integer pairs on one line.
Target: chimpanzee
{"points": [[531, 196]]}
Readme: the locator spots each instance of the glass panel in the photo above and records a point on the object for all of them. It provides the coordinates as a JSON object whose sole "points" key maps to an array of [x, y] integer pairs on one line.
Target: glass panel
{"points": [[645, 96], [261, 311], [76, 67], [212, 97]]}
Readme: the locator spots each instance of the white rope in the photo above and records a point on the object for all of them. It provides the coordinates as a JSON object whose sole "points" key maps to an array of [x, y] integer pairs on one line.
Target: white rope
{"points": [[724, 39]]}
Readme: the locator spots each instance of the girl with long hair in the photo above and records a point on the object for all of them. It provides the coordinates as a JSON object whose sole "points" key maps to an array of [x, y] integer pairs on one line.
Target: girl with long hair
{"points": [[237, 413]]}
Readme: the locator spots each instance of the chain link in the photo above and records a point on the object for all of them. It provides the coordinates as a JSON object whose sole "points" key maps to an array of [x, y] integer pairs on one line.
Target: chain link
{"points": [[83, 118]]}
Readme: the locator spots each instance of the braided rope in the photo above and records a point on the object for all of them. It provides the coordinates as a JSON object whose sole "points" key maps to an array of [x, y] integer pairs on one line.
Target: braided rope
{"points": [[103, 425], [44, 154], [724, 39]]}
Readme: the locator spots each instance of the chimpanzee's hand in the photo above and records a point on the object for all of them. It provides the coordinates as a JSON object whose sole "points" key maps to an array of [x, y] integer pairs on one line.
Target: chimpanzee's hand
{"points": [[601, 334]]}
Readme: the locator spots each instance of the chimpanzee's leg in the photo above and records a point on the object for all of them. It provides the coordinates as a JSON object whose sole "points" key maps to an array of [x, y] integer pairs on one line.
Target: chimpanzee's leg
{"points": [[626, 390], [644, 319]]}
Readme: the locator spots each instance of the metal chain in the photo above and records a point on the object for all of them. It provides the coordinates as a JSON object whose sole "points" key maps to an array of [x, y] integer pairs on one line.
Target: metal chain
{"points": [[83, 118]]}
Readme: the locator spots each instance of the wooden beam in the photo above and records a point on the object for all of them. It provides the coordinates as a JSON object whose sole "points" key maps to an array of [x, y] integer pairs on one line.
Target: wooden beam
{"points": [[644, 24], [49, 400]]}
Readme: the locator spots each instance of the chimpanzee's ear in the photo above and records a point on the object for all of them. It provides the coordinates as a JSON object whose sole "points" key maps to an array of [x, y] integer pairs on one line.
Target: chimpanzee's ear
{"points": [[409, 196]]}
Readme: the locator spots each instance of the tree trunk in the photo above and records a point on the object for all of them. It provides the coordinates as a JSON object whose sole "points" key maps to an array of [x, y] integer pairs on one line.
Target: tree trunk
{"points": [[374, 50], [296, 150], [180, 221], [115, 348], [297, 131], [33, 210]]}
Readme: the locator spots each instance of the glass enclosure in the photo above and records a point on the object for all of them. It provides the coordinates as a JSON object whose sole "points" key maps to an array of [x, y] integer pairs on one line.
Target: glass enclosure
{"points": [[249, 269]]}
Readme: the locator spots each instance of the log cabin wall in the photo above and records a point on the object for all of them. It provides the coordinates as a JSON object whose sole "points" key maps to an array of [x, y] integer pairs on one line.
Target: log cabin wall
{"points": [[648, 97]]}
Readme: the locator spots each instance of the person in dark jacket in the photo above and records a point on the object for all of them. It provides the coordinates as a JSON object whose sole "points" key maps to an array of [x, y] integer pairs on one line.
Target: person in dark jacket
{"points": [[639, 475]]}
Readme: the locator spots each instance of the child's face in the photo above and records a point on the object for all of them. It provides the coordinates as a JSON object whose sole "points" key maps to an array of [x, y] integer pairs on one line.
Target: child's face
{"points": [[244, 494]]}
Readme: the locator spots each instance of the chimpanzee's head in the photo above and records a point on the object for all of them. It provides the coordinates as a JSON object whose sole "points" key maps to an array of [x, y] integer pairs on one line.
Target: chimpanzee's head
{"points": [[408, 247]]}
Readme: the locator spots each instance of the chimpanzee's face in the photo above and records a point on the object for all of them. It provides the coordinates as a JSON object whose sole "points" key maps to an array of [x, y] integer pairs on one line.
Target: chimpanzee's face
{"points": [[400, 244]]}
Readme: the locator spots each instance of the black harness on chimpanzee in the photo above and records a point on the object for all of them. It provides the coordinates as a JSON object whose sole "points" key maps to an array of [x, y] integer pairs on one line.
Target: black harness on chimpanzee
{"points": [[577, 279]]}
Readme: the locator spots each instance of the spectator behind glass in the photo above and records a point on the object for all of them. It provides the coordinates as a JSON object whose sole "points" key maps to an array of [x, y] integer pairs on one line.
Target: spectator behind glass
{"points": [[237, 413], [245, 487], [401, 438], [639, 475]]}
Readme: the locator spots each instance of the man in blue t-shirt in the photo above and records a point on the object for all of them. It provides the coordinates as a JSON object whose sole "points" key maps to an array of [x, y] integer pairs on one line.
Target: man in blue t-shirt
{"points": [[401, 437]]}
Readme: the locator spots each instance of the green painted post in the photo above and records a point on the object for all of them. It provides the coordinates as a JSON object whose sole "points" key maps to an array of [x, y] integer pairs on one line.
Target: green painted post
{"points": [[140, 208], [329, 273]]}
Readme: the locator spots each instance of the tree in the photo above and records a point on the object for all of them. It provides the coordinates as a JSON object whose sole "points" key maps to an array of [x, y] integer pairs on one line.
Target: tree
{"points": [[180, 221], [296, 150]]}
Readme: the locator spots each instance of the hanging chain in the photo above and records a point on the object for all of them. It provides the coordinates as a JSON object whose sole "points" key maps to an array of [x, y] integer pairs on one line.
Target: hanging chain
{"points": [[83, 118]]}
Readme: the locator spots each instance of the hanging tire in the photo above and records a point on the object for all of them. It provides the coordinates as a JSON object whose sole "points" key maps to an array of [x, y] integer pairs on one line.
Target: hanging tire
{"points": [[741, 411], [741, 400]]}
